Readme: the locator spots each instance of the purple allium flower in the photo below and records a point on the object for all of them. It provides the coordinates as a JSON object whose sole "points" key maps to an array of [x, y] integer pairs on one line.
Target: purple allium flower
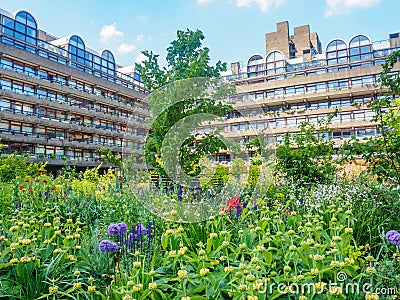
{"points": [[117, 229], [393, 237], [108, 246], [113, 229], [122, 227]]}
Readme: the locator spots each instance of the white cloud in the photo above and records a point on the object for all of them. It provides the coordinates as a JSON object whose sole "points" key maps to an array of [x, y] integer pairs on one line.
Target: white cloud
{"points": [[203, 1], [125, 48], [263, 4], [149, 38], [140, 58], [140, 37], [108, 32], [338, 7]]}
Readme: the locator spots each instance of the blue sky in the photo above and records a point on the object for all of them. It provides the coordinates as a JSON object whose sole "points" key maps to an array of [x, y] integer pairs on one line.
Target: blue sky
{"points": [[234, 29]]}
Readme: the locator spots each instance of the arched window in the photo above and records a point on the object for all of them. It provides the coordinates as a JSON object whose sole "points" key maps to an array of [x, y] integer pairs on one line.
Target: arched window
{"points": [[255, 66], [336, 52], [360, 48], [24, 27], [108, 62], [76, 49], [275, 62]]}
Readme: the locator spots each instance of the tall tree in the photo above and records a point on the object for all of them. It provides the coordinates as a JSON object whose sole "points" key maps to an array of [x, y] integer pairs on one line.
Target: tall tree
{"points": [[381, 153], [186, 58]]}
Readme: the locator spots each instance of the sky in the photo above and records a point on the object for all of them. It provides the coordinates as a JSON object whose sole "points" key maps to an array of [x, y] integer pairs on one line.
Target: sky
{"points": [[233, 29]]}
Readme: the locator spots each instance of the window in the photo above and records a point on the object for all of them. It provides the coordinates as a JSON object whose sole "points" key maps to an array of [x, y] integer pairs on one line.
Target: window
{"points": [[336, 52], [360, 48], [24, 27], [275, 62]]}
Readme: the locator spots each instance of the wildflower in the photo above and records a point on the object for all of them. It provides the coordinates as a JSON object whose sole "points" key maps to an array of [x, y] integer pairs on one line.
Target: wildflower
{"points": [[348, 230], [202, 252], [213, 235], [53, 289], [77, 285], [77, 247], [335, 291], [14, 260], [71, 257], [182, 251], [314, 271], [250, 278], [302, 298], [137, 264], [58, 250], [108, 246], [252, 297], [185, 298], [320, 286], [393, 237], [182, 273], [371, 296], [204, 271], [152, 285], [21, 187], [292, 247], [117, 229], [172, 252], [228, 269], [47, 224], [287, 269], [370, 270], [214, 262], [91, 288], [335, 264], [138, 287]]}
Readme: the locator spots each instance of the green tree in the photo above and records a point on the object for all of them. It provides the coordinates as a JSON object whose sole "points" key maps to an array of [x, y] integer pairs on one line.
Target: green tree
{"points": [[303, 158], [381, 153], [186, 58]]}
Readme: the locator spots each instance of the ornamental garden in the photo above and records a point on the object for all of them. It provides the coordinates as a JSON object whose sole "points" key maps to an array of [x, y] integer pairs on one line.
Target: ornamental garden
{"points": [[295, 224]]}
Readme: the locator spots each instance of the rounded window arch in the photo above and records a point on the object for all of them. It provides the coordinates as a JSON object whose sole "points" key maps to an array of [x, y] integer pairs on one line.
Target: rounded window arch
{"points": [[360, 48], [336, 52], [255, 66], [106, 54], [275, 62], [25, 27], [76, 49]]}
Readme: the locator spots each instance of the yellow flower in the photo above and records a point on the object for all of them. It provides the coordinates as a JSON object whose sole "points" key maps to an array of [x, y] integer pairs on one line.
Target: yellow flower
{"points": [[252, 298], [53, 289], [91, 288], [214, 262], [204, 271], [13, 260], [320, 286], [202, 252], [182, 273], [348, 230], [77, 285], [25, 259], [371, 296], [26, 241], [335, 291], [213, 235], [185, 298], [152, 285], [47, 224], [182, 251], [69, 220], [58, 250], [138, 287], [228, 269], [302, 298], [137, 264]]}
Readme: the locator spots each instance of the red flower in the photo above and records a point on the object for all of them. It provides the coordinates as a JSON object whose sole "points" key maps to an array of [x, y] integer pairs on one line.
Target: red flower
{"points": [[53, 188], [26, 180], [30, 191], [287, 213], [45, 180], [21, 187], [232, 203]]}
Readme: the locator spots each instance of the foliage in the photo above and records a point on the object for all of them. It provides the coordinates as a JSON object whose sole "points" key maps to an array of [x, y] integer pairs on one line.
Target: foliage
{"points": [[303, 158], [381, 153], [238, 167], [186, 58], [109, 157], [15, 166]]}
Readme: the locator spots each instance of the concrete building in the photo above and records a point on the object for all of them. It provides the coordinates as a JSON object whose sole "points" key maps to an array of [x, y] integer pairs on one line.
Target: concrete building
{"points": [[298, 82], [61, 101]]}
